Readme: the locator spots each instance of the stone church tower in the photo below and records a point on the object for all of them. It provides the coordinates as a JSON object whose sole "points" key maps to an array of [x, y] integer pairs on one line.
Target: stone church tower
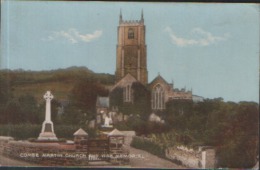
{"points": [[131, 50]]}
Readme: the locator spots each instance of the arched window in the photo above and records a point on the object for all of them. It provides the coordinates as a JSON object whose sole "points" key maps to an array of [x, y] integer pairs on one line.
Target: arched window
{"points": [[158, 98], [130, 33], [127, 93]]}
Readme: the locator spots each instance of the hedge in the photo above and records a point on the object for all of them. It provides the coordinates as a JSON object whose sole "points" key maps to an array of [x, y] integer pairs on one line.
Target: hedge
{"points": [[26, 131], [149, 146]]}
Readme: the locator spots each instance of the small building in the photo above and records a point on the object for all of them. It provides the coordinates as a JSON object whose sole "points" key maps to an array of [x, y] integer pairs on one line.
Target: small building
{"points": [[196, 98], [116, 139], [79, 136]]}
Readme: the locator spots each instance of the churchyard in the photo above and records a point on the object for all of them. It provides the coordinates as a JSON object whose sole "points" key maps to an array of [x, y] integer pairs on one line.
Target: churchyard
{"points": [[105, 145], [110, 148]]}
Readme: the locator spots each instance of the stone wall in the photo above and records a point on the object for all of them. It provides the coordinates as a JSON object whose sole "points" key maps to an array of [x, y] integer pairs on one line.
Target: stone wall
{"points": [[203, 157], [55, 154], [3, 141], [47, 154]]}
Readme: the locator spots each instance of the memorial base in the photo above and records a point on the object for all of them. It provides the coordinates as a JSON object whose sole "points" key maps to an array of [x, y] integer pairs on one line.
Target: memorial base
{"points": [[47, 133], [47, 136]]}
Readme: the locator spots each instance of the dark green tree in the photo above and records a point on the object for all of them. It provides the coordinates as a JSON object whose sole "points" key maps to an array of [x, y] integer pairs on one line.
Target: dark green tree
{"points": [[12, 113], [83, 99], [29, 109], [178, 113], [84, 94]]}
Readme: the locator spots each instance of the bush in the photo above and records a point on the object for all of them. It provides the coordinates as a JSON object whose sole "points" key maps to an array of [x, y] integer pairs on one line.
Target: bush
{"points": [[149, 146], [31, 132], [20, 131]]}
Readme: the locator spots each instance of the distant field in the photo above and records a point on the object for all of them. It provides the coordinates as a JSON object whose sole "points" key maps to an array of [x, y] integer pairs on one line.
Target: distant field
{"points": [[60, 90]]}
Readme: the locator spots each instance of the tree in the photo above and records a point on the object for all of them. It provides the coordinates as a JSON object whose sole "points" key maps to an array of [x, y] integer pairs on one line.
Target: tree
{"points": [[29, 109], [12, 113], [5, 95], [84, 94], [83, 99], [178, 113]]}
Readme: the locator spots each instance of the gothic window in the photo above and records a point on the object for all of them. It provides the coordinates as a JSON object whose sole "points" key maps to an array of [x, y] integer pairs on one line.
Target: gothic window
{"points": [[158, 98], [127, 93], [130, 33]]}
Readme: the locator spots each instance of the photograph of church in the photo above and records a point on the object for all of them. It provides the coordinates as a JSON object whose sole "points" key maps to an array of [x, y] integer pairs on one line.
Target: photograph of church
{"points": [[129, 85]]}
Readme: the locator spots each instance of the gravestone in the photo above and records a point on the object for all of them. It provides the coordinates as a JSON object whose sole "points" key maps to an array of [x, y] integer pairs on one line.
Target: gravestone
{"points": [[47, 132], [107, 122]]}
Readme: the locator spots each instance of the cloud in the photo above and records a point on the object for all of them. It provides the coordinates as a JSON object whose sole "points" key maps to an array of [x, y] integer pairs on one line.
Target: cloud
{"points": [[199, 38], [74, 36]]}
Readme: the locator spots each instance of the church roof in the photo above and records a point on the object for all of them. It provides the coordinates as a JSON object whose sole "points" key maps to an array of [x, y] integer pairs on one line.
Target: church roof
{"points": [[102, 102], [80, 132], [128, 79], [115, 132], [159, 78]]}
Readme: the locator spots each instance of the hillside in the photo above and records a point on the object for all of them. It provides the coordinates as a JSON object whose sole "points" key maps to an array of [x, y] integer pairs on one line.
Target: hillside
{"points": [[59, 81]]}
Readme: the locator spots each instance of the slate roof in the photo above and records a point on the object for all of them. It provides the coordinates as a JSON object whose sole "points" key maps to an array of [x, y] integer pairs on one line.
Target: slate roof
{"points": [[80, 132], [159, 78], [128, 79], [115, 132]]}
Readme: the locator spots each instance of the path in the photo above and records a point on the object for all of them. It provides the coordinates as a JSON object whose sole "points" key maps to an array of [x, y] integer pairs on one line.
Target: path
{"points": [[4, 161]]}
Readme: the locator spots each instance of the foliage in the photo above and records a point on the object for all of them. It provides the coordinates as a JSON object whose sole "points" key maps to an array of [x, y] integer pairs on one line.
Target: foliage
{"points": [[25, 109], [178, 113], [142, 127], [84, 94], [32, 131], [35, 83], [82, 106], [29, 109], [149, 146], [19, 77], [230, 127], [20, 131]]}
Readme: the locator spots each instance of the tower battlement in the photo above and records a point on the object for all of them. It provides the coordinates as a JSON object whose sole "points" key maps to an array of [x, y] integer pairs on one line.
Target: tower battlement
{"points": [[131, 50], [131, 22]]}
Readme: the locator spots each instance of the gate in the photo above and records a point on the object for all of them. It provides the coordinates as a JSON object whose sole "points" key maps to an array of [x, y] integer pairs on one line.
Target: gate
{"points": [[97, 150]]}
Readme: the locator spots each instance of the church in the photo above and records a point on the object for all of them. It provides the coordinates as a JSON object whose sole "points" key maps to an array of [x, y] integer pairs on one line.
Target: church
{"points": [[131, 66], [132, 94]]}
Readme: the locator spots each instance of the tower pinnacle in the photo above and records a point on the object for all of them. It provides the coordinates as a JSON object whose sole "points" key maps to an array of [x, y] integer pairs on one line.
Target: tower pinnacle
{"points": [[120, 17], [142, 16]]}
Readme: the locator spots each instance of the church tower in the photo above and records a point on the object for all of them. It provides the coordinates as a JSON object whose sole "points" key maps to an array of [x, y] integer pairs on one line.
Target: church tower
{"points": [[131, 50]]}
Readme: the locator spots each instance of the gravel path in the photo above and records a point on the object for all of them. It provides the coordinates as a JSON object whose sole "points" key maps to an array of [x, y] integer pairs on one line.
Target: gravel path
{"points": [[4, 161]]}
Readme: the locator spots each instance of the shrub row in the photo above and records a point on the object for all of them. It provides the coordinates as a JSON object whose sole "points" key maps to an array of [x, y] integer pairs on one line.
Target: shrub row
{"points": [[149, 146], [26, 131]]}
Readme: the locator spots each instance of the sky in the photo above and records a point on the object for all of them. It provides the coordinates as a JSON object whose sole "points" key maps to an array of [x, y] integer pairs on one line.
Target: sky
{"points": [[210, 48]]}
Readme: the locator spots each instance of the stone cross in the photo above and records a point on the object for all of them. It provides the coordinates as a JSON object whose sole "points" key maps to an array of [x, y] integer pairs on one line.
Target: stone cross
{"points": [[48, 97], [47, 132]]}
